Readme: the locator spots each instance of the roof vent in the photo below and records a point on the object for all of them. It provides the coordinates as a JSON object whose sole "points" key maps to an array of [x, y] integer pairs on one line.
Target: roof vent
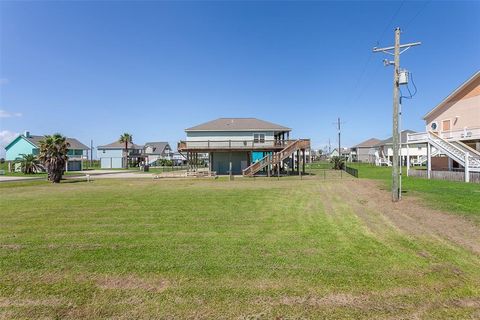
{"points": [[27, 134]]}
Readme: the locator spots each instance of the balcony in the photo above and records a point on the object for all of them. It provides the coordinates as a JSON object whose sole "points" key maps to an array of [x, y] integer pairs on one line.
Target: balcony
{"points": [[452, 135], [233, 145]]}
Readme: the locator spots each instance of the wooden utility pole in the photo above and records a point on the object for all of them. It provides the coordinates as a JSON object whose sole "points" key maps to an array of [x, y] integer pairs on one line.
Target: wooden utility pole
{"points": [[339, 135], [396, 88]]}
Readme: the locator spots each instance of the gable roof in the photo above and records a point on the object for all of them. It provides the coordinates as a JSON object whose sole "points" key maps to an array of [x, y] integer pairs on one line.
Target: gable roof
{"points": [[35, 141], [368, 143], [237, 124], [158, 147], [403, 138], [120, 145], [452, 95]]}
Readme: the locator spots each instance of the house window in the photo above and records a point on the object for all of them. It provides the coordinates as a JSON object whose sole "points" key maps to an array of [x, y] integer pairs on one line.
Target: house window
{"points": [[259, 137]]}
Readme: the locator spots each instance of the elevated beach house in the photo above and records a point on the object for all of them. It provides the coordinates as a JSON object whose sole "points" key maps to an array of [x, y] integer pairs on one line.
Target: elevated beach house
{"points": [[414, 153], [30, 144], [452, 134], [363, 151], [245, 146], [114, 155]]}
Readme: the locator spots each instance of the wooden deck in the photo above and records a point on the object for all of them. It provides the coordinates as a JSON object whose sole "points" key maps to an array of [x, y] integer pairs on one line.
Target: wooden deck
{"points": [[234, 145]]}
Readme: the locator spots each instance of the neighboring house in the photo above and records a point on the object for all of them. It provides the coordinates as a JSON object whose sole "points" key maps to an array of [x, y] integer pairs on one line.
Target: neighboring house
{"points": [[345, 153], [453, 128], [30, 144], [155, 151], [248, 145], [383, 151], [113, 155], [362, 152]]}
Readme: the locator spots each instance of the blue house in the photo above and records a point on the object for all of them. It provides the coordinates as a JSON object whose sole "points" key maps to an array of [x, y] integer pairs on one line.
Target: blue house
{"points": [[113, 155], [30, 144]]}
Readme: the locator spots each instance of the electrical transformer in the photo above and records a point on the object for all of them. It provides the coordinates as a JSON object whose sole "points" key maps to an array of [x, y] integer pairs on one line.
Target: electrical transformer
{"points": [[403, 77]]}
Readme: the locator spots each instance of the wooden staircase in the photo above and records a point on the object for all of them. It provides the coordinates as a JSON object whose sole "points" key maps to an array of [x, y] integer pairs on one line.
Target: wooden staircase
{"points": [[277, 157]]}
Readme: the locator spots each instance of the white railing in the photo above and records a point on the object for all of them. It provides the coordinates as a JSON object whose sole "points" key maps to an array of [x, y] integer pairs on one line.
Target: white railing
{"points": [[466, 133], [417, 137], [462, 134], [233, 144]]}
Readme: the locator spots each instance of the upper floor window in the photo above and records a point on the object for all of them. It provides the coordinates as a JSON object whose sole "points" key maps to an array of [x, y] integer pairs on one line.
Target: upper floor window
{"points": [[259, 137]]}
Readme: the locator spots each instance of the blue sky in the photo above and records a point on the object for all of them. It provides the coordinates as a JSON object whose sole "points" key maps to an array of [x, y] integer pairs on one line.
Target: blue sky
{"points": [[93, 70]]}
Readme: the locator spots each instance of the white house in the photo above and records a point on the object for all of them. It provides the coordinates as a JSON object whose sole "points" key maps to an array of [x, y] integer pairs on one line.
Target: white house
{"points": [[416, 152], [154, 151]]}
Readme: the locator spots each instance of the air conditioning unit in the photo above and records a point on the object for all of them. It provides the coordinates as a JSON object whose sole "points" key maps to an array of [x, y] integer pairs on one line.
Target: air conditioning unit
{"points": [[434, 126]]}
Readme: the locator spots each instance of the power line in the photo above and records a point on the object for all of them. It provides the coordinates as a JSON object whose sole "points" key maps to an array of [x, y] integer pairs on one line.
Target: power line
{"points": [[417, 14], [364, 69], [390, 22]]}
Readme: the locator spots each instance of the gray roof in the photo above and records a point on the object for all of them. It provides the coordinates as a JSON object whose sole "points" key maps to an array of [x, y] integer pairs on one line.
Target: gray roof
{"points": [[238, 124], [120, 145], [403, 135], [368, 143], [158, 147], [74, 143]]}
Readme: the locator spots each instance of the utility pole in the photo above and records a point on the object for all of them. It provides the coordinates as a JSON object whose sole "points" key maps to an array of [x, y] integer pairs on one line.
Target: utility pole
{"points": [[91, 153], [396, 88], [339, 135]]}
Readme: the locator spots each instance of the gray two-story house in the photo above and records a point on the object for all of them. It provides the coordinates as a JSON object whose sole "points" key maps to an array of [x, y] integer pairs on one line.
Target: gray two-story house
{"points": [[248, 145]]}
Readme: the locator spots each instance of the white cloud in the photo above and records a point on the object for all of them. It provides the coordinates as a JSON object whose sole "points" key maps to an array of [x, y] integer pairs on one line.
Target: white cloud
{"points": [[6, 137], [6, 114]]}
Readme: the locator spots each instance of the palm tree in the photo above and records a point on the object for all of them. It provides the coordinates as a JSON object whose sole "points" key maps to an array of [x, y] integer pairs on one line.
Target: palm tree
{"points": [[53, 153], [29, 164], [126, 138], [337, 163]]}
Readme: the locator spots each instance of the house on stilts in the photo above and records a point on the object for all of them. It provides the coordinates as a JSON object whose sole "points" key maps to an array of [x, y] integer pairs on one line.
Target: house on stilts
{"points": [[452, 135], [246, 146]]}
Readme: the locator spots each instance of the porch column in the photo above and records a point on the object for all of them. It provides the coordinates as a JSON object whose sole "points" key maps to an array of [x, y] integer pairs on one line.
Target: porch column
{"points": [[467, 170], [304, 160], [210, 160], [429, 159], [298, 163]]}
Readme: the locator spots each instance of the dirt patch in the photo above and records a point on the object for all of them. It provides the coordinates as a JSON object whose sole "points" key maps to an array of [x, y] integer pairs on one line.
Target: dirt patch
{"points": [[11, 246], [410, 215], [19, 302], [129, 282]]}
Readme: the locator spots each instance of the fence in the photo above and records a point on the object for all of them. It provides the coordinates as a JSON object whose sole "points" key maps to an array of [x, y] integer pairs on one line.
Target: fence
{"points": [[445, 175], [351, 171]]}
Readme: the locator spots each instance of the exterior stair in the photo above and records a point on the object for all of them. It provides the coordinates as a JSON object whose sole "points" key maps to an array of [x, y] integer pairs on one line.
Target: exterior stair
{"points": [[421, 160], [277, 157], [457, 151]]}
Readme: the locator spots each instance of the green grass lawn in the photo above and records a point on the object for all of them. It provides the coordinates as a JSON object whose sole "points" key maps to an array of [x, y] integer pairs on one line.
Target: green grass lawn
{"points": [[452, 196], [210, 249]]}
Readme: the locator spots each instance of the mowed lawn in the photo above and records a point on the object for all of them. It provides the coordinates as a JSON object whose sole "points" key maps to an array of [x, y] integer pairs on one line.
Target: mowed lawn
{"points": [[452, 196], [215, 249]]}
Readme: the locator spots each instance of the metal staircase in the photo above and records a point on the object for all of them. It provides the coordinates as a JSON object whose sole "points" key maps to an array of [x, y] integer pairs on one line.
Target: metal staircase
{"points": [[456, 151], [277, 157]]}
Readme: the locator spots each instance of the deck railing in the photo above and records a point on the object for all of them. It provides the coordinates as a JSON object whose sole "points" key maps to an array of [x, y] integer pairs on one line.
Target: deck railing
{"points": [[233, 144], [461, 134]]}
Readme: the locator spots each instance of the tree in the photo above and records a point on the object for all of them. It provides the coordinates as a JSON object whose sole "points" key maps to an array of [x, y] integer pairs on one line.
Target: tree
{"points": [[126, 138], [29, 164], [53, 154], [337, 163]]}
